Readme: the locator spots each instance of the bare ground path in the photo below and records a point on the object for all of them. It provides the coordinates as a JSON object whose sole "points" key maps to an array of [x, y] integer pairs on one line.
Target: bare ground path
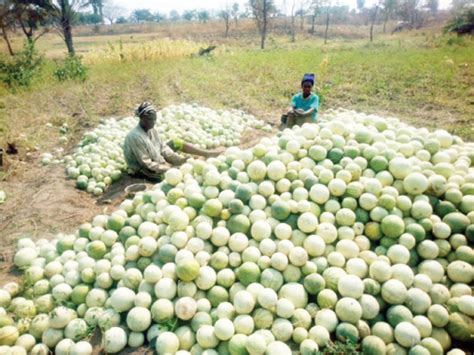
{"points": [[40, 203]]}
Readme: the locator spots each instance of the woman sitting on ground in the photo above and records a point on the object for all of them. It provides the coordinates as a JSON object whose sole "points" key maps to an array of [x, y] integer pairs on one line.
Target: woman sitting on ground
{"points": [[304, 105], [146, 154]]}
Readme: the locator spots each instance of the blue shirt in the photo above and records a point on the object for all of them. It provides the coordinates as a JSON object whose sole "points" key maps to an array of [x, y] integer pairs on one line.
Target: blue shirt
{"points": [[312, 101]]}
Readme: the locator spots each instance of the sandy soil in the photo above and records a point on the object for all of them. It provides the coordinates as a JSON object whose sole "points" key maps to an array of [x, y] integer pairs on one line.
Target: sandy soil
{"points": [[40, 203]]}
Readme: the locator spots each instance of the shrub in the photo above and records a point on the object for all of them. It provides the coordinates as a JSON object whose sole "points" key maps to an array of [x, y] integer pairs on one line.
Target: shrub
{"points": [[462, 24], [20, 69], [71, 69]]}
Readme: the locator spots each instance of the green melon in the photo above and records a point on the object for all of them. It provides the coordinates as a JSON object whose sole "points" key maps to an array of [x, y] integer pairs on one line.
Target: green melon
{"points": [[457, 221], [280, 210], [196, 200], [243, 192], [115, 222], [248, 273], [392, 226], [335, 155], [444, 207], [351, 151], [236, 206], [212, 207], [238, 224], [187, 269], [378, 164], [79, 293], [417, 231]]}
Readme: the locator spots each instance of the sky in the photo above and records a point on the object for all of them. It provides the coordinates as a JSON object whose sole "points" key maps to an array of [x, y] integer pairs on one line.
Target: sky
{"points": [[165, 6]]}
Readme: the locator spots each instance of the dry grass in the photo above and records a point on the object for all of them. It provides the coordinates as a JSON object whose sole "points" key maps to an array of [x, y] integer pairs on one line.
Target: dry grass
{"points": [[144, 51]]}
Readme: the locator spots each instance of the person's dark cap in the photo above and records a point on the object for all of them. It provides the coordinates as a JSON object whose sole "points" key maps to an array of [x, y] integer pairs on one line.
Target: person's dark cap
{"points": [[308, 77]]}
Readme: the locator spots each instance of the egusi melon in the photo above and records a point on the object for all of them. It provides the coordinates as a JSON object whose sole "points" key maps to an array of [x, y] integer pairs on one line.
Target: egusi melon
{"points": [[356, 228]]}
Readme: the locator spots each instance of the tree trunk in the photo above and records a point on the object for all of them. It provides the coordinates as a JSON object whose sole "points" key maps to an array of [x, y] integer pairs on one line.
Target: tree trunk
{"points": [[68, 40], [264, 24], [327, 27], [236, 22], [292, 28], [372, 23], [28, 32], [313, 23], [7, 40], [66, 26], [302, 23], [387, 15], [226, 28], [101, 12], [293, 36]]}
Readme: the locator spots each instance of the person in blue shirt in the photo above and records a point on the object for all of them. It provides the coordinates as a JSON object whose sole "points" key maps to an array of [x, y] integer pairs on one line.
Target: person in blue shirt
{"points": [[304, 105]]}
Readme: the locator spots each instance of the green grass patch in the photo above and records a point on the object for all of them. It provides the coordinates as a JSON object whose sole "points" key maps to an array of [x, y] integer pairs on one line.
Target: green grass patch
{"points": [[421, 79]]}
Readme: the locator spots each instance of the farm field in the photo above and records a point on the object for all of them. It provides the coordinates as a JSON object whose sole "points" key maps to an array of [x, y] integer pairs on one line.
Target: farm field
{"points": [[422, 77]]}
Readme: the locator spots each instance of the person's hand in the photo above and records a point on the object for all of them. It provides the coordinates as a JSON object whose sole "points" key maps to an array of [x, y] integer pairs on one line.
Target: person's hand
{"points": [[162, 168], [299, 112], [183, 160]]}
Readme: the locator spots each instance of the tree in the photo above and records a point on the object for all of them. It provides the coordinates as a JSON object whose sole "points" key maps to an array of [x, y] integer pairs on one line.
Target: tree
{"points": [[174, 16], [203, 16], [189, 15], [30, 15], [7, 23], [389, 7], [112, 11], [235, 11], [301, 12], [462, 23], [88, 18], [225, 14], [461, 5], [121, 20], [65, 15], [408, 10], [327, 9], [97, 8], [142, 15], [360, 5], [261, 11], [373, 12], [292, 16], [315, 11], [433, 6], [159, 17]]}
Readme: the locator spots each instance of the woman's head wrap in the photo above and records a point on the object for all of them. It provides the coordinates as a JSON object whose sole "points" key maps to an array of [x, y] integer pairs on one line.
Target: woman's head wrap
{"points": [[309, 77], [144, 108]]}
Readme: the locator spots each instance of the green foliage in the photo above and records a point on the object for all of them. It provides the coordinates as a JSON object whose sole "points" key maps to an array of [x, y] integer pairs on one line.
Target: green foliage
{"points": [[87, 18], [456, 41], [71, 69], [18, 71], [463, 24], [338, 348]]}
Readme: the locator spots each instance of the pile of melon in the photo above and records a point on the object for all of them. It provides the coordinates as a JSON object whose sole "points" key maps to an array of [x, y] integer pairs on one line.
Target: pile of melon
{"points": [[98, 160], [356, 229]]}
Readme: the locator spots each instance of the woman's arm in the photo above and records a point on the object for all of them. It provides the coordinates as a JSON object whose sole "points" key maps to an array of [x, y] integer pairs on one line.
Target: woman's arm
{"points": [[191, 149], [171, 156]]}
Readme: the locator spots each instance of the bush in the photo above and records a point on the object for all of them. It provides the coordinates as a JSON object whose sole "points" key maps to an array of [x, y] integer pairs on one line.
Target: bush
{"points": [[71, 69], [20, 69], [463, 24]]}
